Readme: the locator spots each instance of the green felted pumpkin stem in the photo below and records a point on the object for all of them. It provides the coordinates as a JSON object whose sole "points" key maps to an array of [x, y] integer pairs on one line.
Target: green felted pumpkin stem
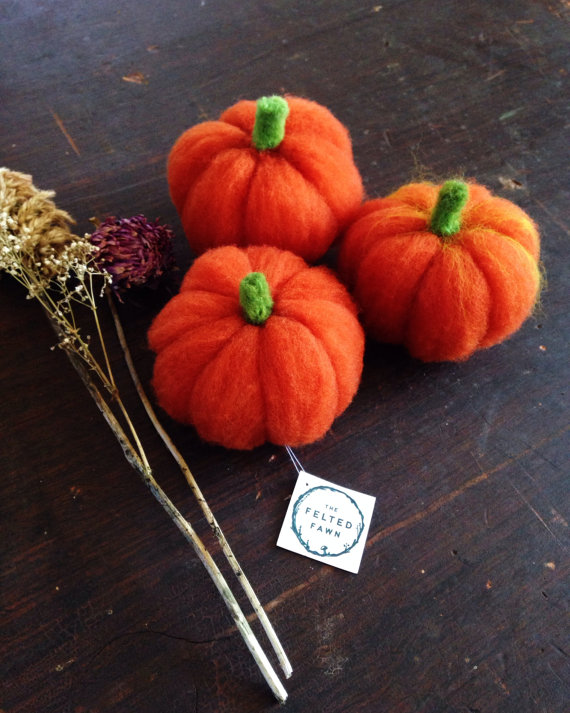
{"points": [[270, 118], [446, 216], [255, 298]]}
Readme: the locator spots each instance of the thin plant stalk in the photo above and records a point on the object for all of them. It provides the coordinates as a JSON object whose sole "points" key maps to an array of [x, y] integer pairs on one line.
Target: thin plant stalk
{"points": [[226, 549], [38, 249], [140, 463]]}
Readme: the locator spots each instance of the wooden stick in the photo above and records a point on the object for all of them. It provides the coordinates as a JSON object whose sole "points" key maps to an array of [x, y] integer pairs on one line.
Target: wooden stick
{"points": [[139, 463], [217, 530]]}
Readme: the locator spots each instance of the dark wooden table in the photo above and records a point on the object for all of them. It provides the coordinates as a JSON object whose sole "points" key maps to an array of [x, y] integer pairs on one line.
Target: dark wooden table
{"points": [[461, 602]]}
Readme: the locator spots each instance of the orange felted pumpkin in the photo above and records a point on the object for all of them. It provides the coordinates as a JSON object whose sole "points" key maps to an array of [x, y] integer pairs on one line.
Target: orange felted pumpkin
{"points": [[257, 346], [278, 172], [444, 270]]}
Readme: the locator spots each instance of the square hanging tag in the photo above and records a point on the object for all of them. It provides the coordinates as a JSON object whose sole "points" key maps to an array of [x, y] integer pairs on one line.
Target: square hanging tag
{"points": [[327, 522]]}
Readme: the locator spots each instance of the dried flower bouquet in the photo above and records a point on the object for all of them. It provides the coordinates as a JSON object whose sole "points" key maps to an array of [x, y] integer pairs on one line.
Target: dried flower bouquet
{"points": [[66, 273]]}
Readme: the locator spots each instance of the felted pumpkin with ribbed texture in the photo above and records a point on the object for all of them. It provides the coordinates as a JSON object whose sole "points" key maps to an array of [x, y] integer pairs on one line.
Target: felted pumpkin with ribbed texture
{"points": [[444, 270], [256, 347], [278, 171]]}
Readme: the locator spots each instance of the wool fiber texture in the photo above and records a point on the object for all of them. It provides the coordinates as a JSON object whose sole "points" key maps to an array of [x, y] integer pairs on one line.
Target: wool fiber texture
{"points": [[443, 298], [297, 196], [242, 384]]}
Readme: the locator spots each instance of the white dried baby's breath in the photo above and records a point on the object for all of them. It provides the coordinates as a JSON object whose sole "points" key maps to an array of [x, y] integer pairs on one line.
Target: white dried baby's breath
{"points": [[55, 266]]}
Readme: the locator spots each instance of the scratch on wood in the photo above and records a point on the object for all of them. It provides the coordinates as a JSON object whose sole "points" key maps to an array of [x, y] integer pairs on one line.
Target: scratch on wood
{"points": [[121, 188], [555, 11], [510, 114], [290, 592], [535, 512], [436, 505], [444, 500], [510, 183], [417, 517], [62, 666], [557, 518], [498, 680], [495, 75], [65, 132], [559, 649], [135, 78]]}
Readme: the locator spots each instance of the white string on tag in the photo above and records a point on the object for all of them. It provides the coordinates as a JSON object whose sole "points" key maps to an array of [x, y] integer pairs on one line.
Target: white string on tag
{"points": [[296, 462]]}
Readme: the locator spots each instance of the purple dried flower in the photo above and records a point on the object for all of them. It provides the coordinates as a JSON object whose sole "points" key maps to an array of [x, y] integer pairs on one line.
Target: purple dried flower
{"points": [[133, 251]]}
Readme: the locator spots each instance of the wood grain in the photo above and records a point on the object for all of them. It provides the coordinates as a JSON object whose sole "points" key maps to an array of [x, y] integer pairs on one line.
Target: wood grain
{"points": [[462, 598]]}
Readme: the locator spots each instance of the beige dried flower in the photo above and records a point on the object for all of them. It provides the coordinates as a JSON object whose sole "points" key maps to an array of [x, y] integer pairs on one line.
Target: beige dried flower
{"points": [[55, 266], [34, 232]]}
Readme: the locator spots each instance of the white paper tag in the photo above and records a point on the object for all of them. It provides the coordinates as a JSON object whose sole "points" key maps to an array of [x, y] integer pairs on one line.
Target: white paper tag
{"points": [[327, 522]]}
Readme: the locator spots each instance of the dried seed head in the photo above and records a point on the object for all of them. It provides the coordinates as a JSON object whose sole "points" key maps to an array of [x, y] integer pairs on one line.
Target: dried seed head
{"points": [[134, 251]]}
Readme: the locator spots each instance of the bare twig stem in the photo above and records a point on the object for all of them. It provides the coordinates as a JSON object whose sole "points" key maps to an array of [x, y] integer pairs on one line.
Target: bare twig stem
{"points": [[140, 463], [209, 515]]}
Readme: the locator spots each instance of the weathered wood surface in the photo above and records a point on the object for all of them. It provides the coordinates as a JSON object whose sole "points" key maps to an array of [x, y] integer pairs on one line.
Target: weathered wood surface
{"points": [[462, 598]]}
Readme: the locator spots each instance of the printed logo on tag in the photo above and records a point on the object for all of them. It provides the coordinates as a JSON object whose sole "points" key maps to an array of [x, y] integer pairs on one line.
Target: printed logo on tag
{"points": [[327, 522]]}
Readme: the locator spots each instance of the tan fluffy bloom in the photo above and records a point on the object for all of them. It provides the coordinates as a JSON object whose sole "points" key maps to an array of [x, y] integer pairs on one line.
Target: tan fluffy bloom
{"points": [[34, 232]]}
